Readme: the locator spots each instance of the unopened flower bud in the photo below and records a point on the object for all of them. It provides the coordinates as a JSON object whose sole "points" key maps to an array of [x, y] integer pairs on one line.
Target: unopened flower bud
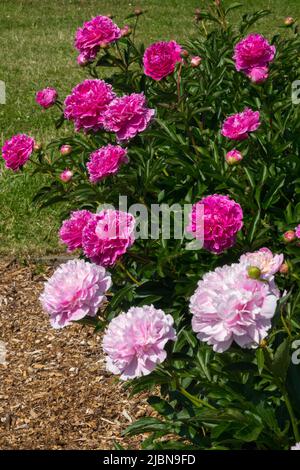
{"points": [[184, 53], [37, 147], [138, 11], [284, 268], [126, 31], [263, 344], [65, 149], [82, 60], [66, 175], [254, 272], [103, 45], [233, 157], [289, 236], [289, 20], [198, 15], [196, 61]]}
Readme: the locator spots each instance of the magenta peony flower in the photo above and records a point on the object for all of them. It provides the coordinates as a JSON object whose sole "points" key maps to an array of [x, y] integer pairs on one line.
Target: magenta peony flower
{"points": [[107, 236], [223, 218], [98, 32], [134, 341], [71, 230], [106, 161], [46, 97], [75, 290], [228, 306], [297, 231], [17, 150], [161, 58], [233, 157], [66, 175], [238, 126], [263, 259], [127, 116], [296, 446], [87, 103], [258, 74], [254, 51]]}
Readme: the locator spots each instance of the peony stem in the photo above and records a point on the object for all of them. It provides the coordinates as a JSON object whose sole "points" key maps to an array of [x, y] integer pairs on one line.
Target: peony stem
{"points": [[128, 274]]}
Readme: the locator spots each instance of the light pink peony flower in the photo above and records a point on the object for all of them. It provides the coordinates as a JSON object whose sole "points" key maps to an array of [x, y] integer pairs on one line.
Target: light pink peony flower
{"points": [[233, 157], [161, 58], [223, 218], [17, 151], [263, 259], [87, 103], [46, 97], [75, 290], [66, 175], [127, 116], [98, 32], [297, 231], [134, 341], [258, 74], [70, 232], [254, 51], [107, 236], [296, 446], [228, 306], [106, 161], [238, 126]]}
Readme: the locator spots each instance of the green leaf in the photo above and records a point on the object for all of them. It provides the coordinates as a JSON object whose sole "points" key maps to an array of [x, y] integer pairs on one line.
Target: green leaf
{"points": [[282, 359], [260, 358]]}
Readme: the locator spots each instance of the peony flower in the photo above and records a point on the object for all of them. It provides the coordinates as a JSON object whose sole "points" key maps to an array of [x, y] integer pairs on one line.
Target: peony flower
{"points": [[65, 149], [75, 290], [106, 161], [254, 51], [238, 126], [134, 341], [263, 259], [289, 236], [228, 306], [196, 61], [233, 157], [258, 74], [107, 236], [128, 115], [161, 58], [87, 103], [17, 150], [297, 231], [96, 33], [66, 175], [296, 446], [71, 230], [46, 97], [222, 219]]}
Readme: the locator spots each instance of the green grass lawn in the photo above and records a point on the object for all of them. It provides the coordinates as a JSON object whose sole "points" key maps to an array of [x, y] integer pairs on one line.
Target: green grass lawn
{"points": [[37, 51]]}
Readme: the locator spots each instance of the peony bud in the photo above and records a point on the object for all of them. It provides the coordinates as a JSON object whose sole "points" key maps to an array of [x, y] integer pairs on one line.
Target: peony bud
{"points": [[184, 53], [289, 20], [66, 175], [289, 236], [82, 60], [37, 147], [284, 268], [254, 272], [233, 157], [258, 74], [196, 61], [103, 45], [218, 2], [138, 12], [198, 15], [263, 344], [65, 149], [126, 31]]}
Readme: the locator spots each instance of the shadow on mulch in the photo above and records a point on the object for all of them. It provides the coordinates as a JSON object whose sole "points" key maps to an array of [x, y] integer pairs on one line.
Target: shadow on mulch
{"points": [[54, 390]]}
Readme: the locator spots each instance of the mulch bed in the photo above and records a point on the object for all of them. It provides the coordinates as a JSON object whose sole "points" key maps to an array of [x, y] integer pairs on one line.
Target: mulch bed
{"points": [[54, 390]]}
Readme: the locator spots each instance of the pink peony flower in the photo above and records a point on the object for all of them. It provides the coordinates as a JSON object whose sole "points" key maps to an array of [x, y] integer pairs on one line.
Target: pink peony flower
{"points": [[233, 157], [66, 175], [134, 341], [17, 150], [161, 58], [296, 446], [228, 306], [96, 33], [106, 161], [223, 218], [65, 149], [127, 116], [107, 236], [258, 74], [253, 51], [196, 61], [297, 231], [46, 97], [75, 290], [238, 126], [71, 230], [87, 103], [263, 259]]}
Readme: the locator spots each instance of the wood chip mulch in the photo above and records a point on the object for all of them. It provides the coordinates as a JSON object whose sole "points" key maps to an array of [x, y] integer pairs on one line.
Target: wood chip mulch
{"points": [[54, 390]]}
